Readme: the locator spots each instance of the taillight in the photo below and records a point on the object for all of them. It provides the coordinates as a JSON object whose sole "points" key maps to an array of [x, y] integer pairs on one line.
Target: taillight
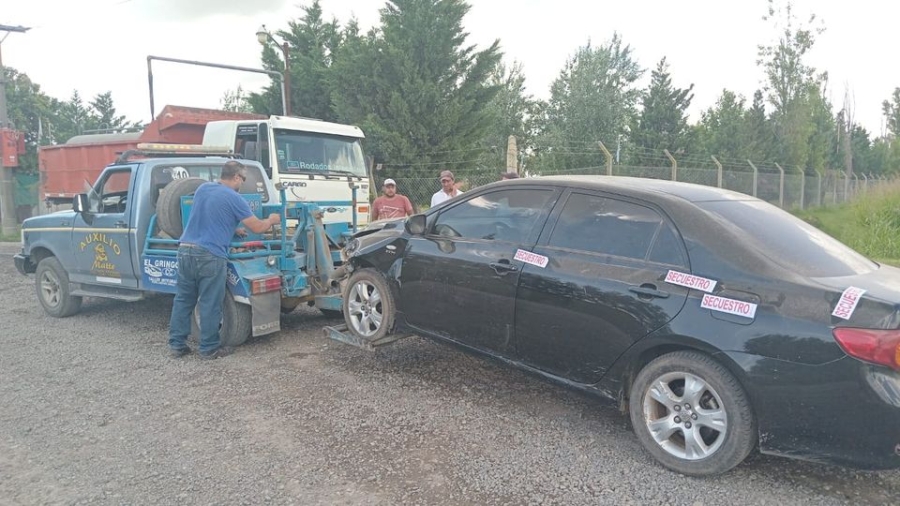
{"points": [[880, 347], [363, 209], [265, 285]]}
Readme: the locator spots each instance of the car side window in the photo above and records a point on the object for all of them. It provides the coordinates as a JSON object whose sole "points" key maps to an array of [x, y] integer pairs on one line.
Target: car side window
{"points": [[503, 215], [614, 227], [110, 196]]}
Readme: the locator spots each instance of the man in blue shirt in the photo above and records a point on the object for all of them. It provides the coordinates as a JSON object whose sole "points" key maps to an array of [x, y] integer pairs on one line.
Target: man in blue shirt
{"points": [[217, 211]]}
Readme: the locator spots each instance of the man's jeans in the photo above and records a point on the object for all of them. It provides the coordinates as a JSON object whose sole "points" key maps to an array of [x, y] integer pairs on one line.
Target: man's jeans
{"points": [[201, 282]]}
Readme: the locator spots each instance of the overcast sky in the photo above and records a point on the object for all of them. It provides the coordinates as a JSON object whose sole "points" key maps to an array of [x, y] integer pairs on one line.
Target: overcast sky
{"points": [[99, 45]]}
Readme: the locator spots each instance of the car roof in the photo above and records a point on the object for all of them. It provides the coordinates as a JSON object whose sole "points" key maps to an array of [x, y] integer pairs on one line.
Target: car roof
{"points": [[636, 186]]}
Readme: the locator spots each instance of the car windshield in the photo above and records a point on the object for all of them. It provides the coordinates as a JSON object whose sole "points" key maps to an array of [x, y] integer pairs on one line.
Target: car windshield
{"points": [[307, 152], [789, 241]]}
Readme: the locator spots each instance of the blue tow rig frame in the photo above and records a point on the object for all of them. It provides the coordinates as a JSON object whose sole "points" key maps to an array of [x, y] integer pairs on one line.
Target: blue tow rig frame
{"points": [[267, 276]]}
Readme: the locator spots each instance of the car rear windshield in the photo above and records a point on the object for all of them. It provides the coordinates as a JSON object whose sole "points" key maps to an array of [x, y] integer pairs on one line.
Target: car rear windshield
{"points": [[789, 241]]}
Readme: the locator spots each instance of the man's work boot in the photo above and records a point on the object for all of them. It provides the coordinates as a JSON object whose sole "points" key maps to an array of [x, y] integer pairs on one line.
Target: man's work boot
{"points": [[221, 351]]}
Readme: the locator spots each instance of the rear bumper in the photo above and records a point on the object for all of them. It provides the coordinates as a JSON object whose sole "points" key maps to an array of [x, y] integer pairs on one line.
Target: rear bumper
{"points": [[845, 412], [23, 264]]}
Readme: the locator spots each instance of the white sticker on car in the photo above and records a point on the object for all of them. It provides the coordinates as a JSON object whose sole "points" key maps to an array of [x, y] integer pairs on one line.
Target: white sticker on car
{"points": [[531, 258], [690, 281], [102, 279], [847, 303], [730, 306]]}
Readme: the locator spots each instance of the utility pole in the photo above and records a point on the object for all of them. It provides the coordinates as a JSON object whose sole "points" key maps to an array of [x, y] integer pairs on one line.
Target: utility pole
{"points": [[7, 193]]}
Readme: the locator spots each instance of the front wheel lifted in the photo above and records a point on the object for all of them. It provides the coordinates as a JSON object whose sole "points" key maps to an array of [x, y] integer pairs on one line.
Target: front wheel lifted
{"points": [[53, 290], [369, 305], [691, 414]]}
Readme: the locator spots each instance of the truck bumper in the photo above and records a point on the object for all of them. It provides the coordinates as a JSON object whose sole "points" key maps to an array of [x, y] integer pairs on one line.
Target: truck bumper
{"points": [[23, 264]]}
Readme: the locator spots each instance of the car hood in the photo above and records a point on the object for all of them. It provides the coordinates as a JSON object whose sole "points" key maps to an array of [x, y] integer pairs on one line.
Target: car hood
{"points": [[392, 224]]}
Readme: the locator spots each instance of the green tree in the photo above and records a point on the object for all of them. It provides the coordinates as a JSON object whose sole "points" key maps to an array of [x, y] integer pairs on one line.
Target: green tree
{"points": [[891, 110], [593, 99], [28, 108], [421, 95], [74, 118], [724, 129], [312, 44], [513, 112], [105, 116], [791, 83], [760, 134], [663, 122], [236, 101]]}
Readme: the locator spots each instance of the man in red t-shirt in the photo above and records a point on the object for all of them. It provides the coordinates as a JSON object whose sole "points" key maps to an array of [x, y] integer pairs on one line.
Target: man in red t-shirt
{"points": [[391, 204]]}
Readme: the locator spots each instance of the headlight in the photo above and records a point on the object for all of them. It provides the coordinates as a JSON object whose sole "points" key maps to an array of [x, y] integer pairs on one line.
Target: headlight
{"points": [[351, 246], [270, 261]]}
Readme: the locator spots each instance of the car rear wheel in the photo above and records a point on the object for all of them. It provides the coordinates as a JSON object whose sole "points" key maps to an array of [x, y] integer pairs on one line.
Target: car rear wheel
{"points": [[692, 415], [53, 290], [369, 305]]}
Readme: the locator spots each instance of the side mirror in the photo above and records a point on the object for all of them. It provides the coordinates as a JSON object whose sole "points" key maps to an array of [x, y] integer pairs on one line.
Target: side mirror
{"points": [[80, 203], [415, 224]]}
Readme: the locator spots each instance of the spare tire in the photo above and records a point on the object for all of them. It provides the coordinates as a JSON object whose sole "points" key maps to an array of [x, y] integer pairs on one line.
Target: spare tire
{"points": [[168, 207]]}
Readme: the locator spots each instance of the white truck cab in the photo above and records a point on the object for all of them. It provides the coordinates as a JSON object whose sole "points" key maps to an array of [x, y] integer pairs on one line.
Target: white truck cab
{"points": [[316, 160]]}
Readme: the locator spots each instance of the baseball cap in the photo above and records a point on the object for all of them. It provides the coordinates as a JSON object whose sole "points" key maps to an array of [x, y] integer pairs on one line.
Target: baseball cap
{"points": [[446, 174], [390, 181]]}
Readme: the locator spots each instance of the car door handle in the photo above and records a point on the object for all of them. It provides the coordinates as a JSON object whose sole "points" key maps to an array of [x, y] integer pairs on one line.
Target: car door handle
{"points": [[648, 291], [503, 267], [121, 224]]}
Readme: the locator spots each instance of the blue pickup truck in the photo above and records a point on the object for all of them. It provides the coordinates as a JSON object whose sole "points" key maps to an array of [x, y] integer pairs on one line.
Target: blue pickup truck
{"points": [[120, 241]]}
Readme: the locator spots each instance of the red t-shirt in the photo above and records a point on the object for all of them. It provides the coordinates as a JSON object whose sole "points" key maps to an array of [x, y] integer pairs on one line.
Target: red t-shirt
{"points": [[397, 206]]}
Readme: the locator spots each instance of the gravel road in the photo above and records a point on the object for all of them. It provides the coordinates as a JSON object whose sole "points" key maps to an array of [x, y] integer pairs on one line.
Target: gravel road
{"points": [[93, 411]]}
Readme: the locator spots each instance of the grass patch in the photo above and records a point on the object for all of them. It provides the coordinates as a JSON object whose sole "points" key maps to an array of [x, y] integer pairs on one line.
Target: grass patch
{"points": [[869, 224]]}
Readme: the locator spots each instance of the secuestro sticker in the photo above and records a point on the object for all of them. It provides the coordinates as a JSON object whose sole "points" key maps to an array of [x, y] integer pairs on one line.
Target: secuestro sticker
{"points": [[847, 303], [531, 258], [730, 306], [690, 281]]}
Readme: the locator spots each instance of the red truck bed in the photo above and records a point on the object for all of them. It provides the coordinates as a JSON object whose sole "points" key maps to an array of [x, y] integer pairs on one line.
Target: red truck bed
{"points": [[65, 167]]}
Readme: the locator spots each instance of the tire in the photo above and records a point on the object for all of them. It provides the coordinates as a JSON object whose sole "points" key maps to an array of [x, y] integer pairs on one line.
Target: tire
{"points": [[331, 314], [725, 446], [236, 325], [51, 283], [358, 311], [168, 206]]}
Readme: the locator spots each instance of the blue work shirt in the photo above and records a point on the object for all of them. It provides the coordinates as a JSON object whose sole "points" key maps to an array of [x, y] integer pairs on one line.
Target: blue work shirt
{"points": [[216, 213]]}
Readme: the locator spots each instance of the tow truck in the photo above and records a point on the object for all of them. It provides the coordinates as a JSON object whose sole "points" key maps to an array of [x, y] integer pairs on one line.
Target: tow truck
{"points": [[120, 241]]}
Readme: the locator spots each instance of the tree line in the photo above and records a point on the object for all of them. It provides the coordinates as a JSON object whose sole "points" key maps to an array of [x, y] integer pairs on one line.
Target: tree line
{"points": [[46, 120], [427, 99]]}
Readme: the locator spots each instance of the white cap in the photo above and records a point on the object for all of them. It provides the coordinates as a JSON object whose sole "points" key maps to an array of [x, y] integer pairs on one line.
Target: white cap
{"points": [[389, 181]]}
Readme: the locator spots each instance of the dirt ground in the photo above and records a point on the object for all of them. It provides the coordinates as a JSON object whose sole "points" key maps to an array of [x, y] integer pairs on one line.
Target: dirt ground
{"points": [[93, 411]]}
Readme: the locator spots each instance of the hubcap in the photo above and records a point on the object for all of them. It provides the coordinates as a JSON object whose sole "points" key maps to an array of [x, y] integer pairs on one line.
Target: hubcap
{"points": [[685, 416], [365, 308], [50, 288]]}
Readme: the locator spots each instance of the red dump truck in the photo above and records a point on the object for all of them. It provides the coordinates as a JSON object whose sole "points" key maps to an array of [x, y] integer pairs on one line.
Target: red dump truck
{"points": [[64, 168]]}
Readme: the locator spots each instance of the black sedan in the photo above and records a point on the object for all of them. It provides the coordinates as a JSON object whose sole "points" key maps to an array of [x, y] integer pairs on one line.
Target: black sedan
{"points": [[719, 322]]}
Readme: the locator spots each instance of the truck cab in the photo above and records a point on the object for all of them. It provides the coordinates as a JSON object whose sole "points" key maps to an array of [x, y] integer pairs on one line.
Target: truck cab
{"points": [[316, 161]]}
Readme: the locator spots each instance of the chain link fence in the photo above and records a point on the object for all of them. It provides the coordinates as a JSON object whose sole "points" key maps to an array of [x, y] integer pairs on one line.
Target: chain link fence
{"points": [[788, 190]]}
